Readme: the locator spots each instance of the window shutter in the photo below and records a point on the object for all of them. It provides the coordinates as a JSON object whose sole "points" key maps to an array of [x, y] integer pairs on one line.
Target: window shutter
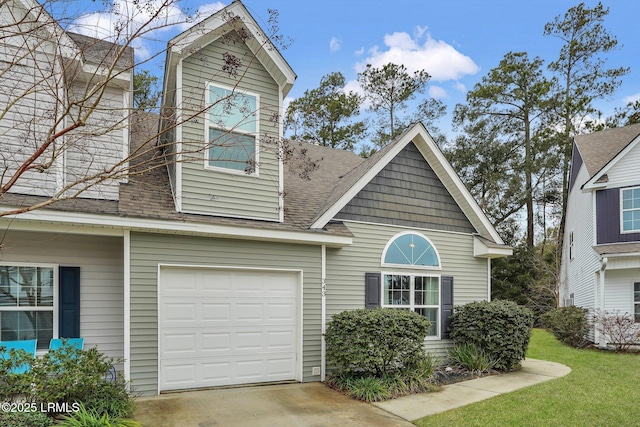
{"points": [[69, 302], [372, 290], [446, 310]]}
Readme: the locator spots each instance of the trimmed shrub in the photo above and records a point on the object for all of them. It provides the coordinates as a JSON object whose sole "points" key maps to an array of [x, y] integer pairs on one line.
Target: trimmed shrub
{"points": [[568, 324], [501, 329], [376, 342]]}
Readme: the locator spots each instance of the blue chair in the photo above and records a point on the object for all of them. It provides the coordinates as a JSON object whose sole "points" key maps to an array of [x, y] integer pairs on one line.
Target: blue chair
{"points": [[56, 343], [28, 346]]}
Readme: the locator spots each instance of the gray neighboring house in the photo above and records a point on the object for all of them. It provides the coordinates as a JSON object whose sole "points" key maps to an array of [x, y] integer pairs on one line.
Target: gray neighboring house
{"points": [[601, 249], [224, 267]]}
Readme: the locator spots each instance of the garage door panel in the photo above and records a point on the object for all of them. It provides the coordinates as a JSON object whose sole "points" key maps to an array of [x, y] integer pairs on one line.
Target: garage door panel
{"points": [[230, 327]]}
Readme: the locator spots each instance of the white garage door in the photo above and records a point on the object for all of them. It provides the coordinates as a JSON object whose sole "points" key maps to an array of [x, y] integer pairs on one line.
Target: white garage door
{"points": [[222, 327]]}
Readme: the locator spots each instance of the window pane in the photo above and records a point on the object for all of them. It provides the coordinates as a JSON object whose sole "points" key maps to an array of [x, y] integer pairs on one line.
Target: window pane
{"points": [[637, 313], [26, 286], [232, 110], [411, 249], [631, 220], [432, 315], [636, 292], [9, 286], [27, 325], [232, 150], [396, 290]]}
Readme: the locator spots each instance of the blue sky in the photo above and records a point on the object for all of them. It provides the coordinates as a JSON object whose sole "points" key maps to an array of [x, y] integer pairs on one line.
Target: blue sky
{"points": [[456, 41]]}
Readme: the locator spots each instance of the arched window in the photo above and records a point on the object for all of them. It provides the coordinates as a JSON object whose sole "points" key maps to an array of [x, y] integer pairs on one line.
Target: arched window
{"points": [[410, 249]]}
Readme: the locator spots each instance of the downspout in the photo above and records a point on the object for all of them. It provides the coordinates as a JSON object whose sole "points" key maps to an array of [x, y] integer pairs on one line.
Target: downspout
{"points": [[127, 305], [323, 315], [489, 279], [602, 339]]}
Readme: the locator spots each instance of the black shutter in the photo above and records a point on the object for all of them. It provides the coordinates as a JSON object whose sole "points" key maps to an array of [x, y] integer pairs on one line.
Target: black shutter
{"points": [[69, 302], [446, 310], [372, 290]]}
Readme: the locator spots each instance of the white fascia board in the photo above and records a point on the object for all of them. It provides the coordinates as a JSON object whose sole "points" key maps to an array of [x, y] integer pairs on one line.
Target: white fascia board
{"points": [[210, 30], [430, 144], [67, 47], [418, 134], [178, 139], [178, 227], [480, 250], [592, 182], [364, 180]]}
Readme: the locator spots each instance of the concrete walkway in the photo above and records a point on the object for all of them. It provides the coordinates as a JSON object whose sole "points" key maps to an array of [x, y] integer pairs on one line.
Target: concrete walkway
{"points": [[453, 396]]}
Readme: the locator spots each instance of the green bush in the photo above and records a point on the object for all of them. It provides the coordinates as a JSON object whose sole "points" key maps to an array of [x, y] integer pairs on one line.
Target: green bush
{"points": [[499, 328], [24, 419], [568, 324], [471, 358], [376, 342], [91, 418], [371, 389], [64, 377], [368, 389]]}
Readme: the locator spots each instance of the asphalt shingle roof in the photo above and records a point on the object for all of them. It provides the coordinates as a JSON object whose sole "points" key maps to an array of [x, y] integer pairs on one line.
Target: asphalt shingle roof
{"points": [[597, 149]]}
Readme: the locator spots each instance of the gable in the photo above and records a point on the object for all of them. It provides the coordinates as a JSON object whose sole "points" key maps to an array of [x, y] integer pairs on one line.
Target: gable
{"points": [[407, 192], [625, 171]]}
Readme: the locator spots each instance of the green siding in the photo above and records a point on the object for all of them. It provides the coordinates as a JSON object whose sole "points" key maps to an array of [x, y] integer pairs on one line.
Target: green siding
{"points": [[347, 266], [101, 278], [218, 193], [149, 250]]}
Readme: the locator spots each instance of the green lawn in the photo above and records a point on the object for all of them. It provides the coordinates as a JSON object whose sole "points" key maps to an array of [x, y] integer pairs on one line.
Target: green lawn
{"points": [[603, 389]]}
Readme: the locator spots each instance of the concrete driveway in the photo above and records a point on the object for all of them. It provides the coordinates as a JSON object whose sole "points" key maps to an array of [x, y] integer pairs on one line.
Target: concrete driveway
{"points": [[309, 404]]}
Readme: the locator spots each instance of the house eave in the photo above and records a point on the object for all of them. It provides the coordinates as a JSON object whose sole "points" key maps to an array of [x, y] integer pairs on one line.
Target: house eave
{"points": [[481, 250], [36, 218]]}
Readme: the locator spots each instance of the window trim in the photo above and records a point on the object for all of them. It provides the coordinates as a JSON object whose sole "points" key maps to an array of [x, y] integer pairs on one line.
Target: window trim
{"points": [[622, 210], [411, 305], [208, 125], [54, 308], [572, 247], [634, 303], [421, 267]]}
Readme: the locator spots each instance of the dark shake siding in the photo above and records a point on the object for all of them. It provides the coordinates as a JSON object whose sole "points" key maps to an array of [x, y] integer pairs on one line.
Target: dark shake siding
{"points": [[576, 163], [407, 193], [608, 218]]}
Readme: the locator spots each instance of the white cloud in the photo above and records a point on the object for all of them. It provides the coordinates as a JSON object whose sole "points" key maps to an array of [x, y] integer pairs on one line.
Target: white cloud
{"points": [[128, 17], [437, 92], [335, 44], [419, 31], [441, 60], [285, 103], [460, 87], [359, 52], [631, 98]]}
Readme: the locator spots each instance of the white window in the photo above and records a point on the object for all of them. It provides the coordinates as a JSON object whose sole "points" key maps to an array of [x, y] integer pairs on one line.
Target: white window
{"points": [[28, 303], [630, 209], [231, 130], [410, 249], [413, 292], [571, 246]]}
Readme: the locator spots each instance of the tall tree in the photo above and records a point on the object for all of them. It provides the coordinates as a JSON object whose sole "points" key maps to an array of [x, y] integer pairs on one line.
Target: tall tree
{"points": [[325, 115], [582, 75], [146, 93], [388, 89], [514, 96], [488, 164]]}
